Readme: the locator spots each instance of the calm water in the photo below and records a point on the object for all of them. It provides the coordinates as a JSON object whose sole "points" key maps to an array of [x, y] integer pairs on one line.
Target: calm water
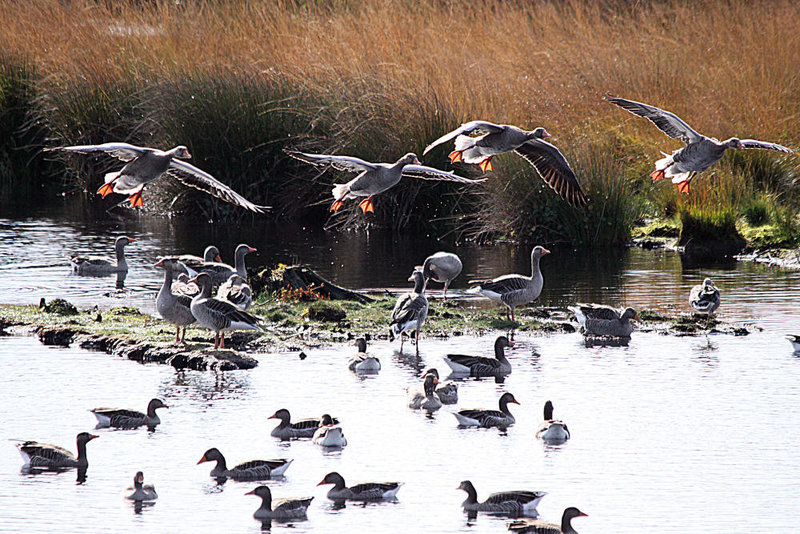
{"points": [[670, 434]]}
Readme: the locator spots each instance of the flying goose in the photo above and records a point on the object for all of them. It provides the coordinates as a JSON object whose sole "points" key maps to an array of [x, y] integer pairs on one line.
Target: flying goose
{"points": [[552, 430], [494, 139], [286, 429], [700, 152], [144, 165], [284, 509], [237, 291], [328, 433], [37, 455], [120, 418], [221, 272], [705, 298], [211, 254], [489, 418], [362, 362], [140, 491], [375, 178], [442, 267], [600, 320], [481, 366], [101, 265], [366, 491], [514, 290], [535, 526], [513, 503], [174, 307], [252, 470], [410, 311], [426, 399], [219, 315]]}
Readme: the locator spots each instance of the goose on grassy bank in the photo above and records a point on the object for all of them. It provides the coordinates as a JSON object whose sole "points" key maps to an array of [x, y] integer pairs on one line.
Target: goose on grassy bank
{"points": [[217, 314], [410, 311], [174, 306], [442, 267]]}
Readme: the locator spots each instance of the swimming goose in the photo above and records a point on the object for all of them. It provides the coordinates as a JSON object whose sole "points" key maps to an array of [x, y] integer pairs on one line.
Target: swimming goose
{"points": [[446, 391], [705, 298], [237, 291], [514, 290], [252, 470], [174, 307], [304, 428], [513, 503], [219, 315], [410, 311], [140, 491], [375, 178], [361, 362], [427, 399], [120, 418], [552, 430], [101, 265], [284, 509], [220, 272], [600, 320], [489, 418], [366, 491], [328, 434], [700, 152], [481, 366], [211, 254], [37, 455], [496, 139], [534, 526], [442, 267], [145, 165], [795, 341]]}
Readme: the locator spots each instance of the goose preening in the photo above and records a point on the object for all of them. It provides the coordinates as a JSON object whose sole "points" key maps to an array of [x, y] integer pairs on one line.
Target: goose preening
{"points": [[535, 526], [481, 366], [237, 291], [219, 315], [252, 470], [552, 430], [363, 362], [221, 272], [410, 311], [795, 341], [283, 509], [141, 491], [145, 165], [185, 261], [120, 418], [366, 491], [426, 399], [37, 455], [705, 298], [488, 418], [286, 429], [513, 503], [700, 151], [514, 290], [494, 139], [600, 320], [174, 307], [375, 178], [102, 265], [328, 433], [446, 391], [442, 267]]}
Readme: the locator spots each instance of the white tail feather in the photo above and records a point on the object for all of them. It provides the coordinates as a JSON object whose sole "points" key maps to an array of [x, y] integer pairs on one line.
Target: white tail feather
{"points": [[340, 191]]}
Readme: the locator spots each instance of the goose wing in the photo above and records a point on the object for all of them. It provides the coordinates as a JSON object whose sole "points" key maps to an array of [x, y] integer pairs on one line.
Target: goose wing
{"points": [[342, 163], [521, 497], [307, 424], [597, 311], [290, 506], [554, 169], [486, 417], [223, 308], [429, 173], [667, 122], [408, 308], [92, 260], [476, 364], [121, 151], [764, 145], [121, 417], [504, 284], [472, 127], [373, 490], [533, 526], [190, 175], [44, 454]]}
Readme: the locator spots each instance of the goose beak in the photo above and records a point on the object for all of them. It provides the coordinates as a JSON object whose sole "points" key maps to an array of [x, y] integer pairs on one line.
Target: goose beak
{"points": [[193, 280], [583, 515], [140, 479], [410, 278], [131, 240], [93, 436], [515, 402], [322, 483], [273, 416], [159, 263], [510, 342], [251, 249], [253, 492], [218, 258], [201, 460], [545, 251]]}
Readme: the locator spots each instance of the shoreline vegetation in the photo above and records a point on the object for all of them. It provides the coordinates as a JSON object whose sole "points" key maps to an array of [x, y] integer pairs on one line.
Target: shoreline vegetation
{"points": [[237, 82]]}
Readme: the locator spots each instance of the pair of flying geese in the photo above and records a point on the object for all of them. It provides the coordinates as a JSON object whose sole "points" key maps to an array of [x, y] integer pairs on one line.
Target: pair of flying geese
{"points": [[476, 142]]}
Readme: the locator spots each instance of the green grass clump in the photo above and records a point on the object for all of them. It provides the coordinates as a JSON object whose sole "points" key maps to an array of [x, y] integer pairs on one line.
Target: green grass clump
{"points": [[716, 224], [756, 212]]}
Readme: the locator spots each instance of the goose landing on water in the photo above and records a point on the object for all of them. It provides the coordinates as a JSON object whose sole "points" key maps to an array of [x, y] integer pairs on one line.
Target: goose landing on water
{"points": [[513, 503]]}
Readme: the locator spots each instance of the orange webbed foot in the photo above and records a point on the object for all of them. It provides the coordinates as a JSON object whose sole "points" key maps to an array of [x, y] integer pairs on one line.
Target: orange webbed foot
{"points": [[683, 187], [456, 156], [657, 175], [136, 200], [106, 189], [336, 206], [367, 206], [486, 165]]}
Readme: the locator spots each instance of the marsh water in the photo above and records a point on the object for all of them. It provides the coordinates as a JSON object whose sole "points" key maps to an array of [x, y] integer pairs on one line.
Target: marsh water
{"points": [[670, 434]]}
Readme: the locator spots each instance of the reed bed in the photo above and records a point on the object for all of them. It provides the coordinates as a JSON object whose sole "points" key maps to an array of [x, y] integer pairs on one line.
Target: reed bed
{"points": [[239, 81]]}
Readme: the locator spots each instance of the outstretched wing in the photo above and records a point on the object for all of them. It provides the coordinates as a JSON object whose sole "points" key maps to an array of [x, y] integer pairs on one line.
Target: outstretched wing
{"points": [[554, 169], [429, 173], [193, 177], [342, 163], [472, 127], [667, 122], [121, 151], [597, 311], [764, 145]]}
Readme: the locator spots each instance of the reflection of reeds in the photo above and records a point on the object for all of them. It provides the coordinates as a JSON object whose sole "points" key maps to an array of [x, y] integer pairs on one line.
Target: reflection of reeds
{"points": [[237, 81]]}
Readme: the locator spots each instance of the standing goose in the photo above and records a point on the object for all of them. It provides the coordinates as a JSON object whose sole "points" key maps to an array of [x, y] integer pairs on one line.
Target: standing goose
{"points": [[237, 291], [513, 503], [366, 491], [481, 366], [599, 320], [329, 434], [410, 311], [145, 165], [140, 491], [489, 418], [700, 152], [175, 308], [442, 267], [252, 470], [552, 430], [219, 315], [362, 362], [120, 418], [284, 509], [37, 455], [211, 254], [496, 139], [221, 272], [286, 429], [705, 298], [375, 178], [514, 290], [447, 391], [427, 399], [102, 265], [534, 526]]}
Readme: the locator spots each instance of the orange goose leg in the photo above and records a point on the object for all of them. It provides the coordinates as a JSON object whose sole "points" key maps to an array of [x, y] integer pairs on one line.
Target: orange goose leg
{"points": [[456, 156], [106, 189], [337, 205], [657, 175], [366, 205], [486, 165]]}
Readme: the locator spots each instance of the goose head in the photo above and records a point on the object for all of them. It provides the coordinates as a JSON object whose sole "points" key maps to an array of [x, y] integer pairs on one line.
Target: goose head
{"points": [[211, 254], [733, 142], [628, 314], [282, 414], [538, 133], [432, 371], [539, 251], [361, 343], [203, 281], [211, 455], [84, 438], [180, 151], [548, 411], [410, 159], [154, 405], [123, 241], [138, 480], [332, 478], [326, 420], [261, 491]]}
